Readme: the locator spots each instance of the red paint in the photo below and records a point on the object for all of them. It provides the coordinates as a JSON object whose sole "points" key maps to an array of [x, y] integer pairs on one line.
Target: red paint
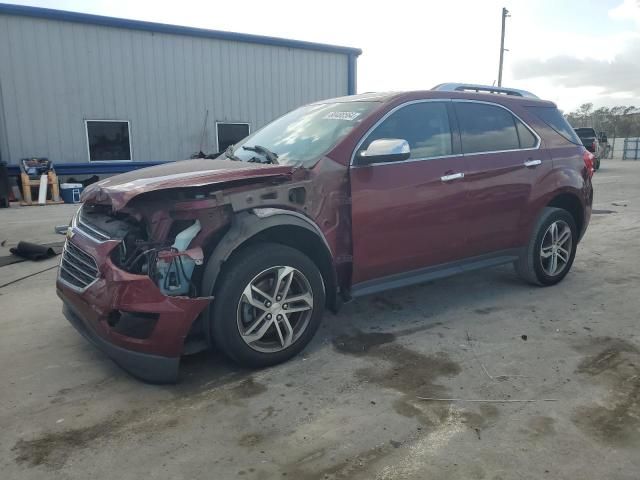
{"points": [[119, 290]]}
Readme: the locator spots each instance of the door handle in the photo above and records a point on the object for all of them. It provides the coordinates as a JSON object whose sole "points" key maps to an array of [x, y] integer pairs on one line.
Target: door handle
{"points": [[453, 176], [532, 163]]}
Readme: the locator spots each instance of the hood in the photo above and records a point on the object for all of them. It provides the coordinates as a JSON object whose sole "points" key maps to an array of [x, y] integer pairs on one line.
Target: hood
{"points": [[185, 173]]}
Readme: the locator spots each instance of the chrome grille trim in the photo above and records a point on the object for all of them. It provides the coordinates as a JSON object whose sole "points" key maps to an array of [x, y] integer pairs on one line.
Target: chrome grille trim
{"points": [[88, 230], [78, 269]]}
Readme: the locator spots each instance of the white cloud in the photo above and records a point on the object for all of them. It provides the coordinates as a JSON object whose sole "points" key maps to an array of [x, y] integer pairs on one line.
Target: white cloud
{"points": [[627, 10]]}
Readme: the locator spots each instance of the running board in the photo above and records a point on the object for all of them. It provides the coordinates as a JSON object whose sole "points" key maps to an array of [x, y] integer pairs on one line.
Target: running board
{"points": [[436, 272]]}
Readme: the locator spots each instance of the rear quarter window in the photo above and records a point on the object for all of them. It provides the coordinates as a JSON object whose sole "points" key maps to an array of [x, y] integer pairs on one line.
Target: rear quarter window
{"points": [[554, 120]]}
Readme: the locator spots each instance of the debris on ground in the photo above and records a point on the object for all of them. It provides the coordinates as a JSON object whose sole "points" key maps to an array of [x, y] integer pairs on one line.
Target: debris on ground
{"points": [[35, 251]]}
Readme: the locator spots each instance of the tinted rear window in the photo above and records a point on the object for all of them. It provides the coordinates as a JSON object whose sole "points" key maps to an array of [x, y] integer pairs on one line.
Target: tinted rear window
{"points": [[486, 128], [554, 119], [586, 132]]}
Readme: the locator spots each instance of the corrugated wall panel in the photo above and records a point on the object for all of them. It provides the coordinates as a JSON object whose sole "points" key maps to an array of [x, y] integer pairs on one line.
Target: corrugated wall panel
{"points": [[56, 74]]}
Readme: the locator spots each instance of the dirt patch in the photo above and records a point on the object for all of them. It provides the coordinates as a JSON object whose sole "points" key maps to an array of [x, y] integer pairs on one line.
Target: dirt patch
{"points": [[483, 418], [52, 449], [540, 426], [408, 372], [344, 469], [623, 280], [246, 388], [361, 343], [250, 439], [487, 310], [383, 303], [614, 364]]}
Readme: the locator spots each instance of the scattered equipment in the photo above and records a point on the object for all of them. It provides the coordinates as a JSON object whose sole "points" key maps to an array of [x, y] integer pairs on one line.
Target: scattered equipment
{"points": [[39, 172], [70, 192]]}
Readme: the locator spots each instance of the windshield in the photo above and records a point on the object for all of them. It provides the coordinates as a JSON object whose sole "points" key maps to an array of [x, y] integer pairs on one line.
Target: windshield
{"points": [[303, 135]]}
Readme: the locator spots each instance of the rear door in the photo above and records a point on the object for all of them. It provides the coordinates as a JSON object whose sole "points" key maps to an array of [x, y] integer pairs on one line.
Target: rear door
{"points": [[503, 162], [404, 215]]}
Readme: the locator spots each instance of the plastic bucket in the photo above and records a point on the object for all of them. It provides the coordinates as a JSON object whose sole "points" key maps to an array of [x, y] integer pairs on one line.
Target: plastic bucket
{"points": [[70, 192]]}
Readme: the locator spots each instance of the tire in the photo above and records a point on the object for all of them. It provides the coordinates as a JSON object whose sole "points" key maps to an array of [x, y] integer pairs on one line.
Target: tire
{"points": [[235, 315], [535, 265]]}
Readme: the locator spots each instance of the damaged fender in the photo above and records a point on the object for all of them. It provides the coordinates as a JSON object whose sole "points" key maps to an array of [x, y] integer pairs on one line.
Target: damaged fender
{"points": [[246, 225]]}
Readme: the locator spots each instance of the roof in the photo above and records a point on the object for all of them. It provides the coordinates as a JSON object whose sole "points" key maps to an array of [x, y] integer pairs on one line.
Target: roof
{"points": [[438, 94], [63, 15]]}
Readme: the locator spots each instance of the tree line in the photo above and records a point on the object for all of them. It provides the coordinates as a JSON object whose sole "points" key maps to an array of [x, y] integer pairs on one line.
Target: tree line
{"points": [[621, 121]]}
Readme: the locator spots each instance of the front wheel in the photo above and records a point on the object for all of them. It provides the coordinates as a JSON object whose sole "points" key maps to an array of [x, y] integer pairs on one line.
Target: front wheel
{"points": [[268, 305], [551, 249]]}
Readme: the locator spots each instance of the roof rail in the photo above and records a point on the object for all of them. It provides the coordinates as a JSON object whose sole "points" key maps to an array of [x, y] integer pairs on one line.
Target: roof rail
{"points": [[470, 87]]}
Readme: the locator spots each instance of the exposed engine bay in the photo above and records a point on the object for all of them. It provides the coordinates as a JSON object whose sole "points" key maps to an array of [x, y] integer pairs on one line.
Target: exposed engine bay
{"points": [[169, 263]]}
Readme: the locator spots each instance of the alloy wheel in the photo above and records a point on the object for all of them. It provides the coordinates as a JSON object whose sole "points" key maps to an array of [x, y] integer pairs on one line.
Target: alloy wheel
{"points": [[555, 250], [274, 309]]}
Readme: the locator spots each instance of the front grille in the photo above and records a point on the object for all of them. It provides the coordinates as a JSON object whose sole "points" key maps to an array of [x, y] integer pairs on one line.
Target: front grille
{"points": [[83, 224], [77, 267]]}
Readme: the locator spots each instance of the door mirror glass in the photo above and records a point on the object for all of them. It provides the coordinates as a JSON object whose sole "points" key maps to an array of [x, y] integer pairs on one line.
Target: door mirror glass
{"points": [[385, 150]]}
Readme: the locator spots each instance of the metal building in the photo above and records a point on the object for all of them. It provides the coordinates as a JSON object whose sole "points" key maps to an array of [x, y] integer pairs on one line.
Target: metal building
{"points": [[91, 90]]}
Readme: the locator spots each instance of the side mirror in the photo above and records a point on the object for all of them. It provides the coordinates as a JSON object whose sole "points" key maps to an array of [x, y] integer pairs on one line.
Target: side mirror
{"points": [[385, 150]]}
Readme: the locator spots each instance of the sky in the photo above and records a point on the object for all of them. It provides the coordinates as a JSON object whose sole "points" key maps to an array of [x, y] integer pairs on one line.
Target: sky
{"points": [[567, 51]]}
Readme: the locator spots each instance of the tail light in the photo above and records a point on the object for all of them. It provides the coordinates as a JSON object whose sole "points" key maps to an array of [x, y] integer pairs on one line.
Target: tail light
{"points": [[588, 162]]}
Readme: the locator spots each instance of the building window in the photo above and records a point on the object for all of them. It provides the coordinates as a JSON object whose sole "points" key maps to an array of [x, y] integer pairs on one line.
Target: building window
{"points": [[230, 133], [108, 140]]}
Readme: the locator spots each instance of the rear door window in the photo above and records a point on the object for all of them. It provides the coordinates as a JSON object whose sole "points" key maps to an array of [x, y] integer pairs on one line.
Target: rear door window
{"points": [[527, 139], [486, 128], [424, 125]]}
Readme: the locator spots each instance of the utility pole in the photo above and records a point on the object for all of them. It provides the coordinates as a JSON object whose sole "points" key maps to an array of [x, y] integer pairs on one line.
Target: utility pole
{"points": [[505, 14]]}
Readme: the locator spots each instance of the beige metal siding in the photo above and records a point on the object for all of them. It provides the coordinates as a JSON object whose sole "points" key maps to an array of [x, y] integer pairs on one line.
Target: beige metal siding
{"points": [[54, 75]]}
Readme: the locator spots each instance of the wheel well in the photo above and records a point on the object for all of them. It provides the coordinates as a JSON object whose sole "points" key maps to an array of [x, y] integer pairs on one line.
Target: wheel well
{"points": [[571, 204], [308, 243]]}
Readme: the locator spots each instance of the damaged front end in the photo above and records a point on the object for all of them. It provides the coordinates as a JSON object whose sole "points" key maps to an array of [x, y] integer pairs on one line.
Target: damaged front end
{"points": [[130, 292], [131, 271]]}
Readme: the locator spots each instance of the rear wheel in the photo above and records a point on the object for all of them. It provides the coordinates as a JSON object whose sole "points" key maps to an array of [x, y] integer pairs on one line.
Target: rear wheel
{"points": [[551, 249], [268, 305]]}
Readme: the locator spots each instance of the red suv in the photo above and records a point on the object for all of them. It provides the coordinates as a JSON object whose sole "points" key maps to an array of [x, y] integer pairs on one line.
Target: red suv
{"points": [[337, 199]]}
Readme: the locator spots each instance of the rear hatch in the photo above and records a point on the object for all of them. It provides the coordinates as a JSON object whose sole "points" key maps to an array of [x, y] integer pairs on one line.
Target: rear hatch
{"points": [[587, 137]]}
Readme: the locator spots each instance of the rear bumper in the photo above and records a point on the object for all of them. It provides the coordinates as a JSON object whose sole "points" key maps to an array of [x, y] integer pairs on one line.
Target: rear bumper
{"points": [[147, 367]]}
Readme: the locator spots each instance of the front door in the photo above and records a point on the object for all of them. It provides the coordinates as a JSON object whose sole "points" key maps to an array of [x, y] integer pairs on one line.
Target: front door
{"points": [[503, 164], [409, 214]]}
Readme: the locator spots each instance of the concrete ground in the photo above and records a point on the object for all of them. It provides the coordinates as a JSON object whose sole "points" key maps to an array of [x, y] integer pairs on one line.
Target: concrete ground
{"points": [[348, 407]]}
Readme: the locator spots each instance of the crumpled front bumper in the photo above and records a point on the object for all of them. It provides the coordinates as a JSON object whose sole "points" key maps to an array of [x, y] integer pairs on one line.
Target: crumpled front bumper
{"points": [[155, 357], [145, 366]]}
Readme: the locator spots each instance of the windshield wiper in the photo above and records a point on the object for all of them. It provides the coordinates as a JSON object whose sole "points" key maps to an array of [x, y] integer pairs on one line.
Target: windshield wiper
{"points": [[229, 154], [272, 157]]}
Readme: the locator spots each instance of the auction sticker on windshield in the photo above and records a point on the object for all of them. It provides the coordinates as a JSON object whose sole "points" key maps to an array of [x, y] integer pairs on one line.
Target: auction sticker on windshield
{"points": [[349, 116]]}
